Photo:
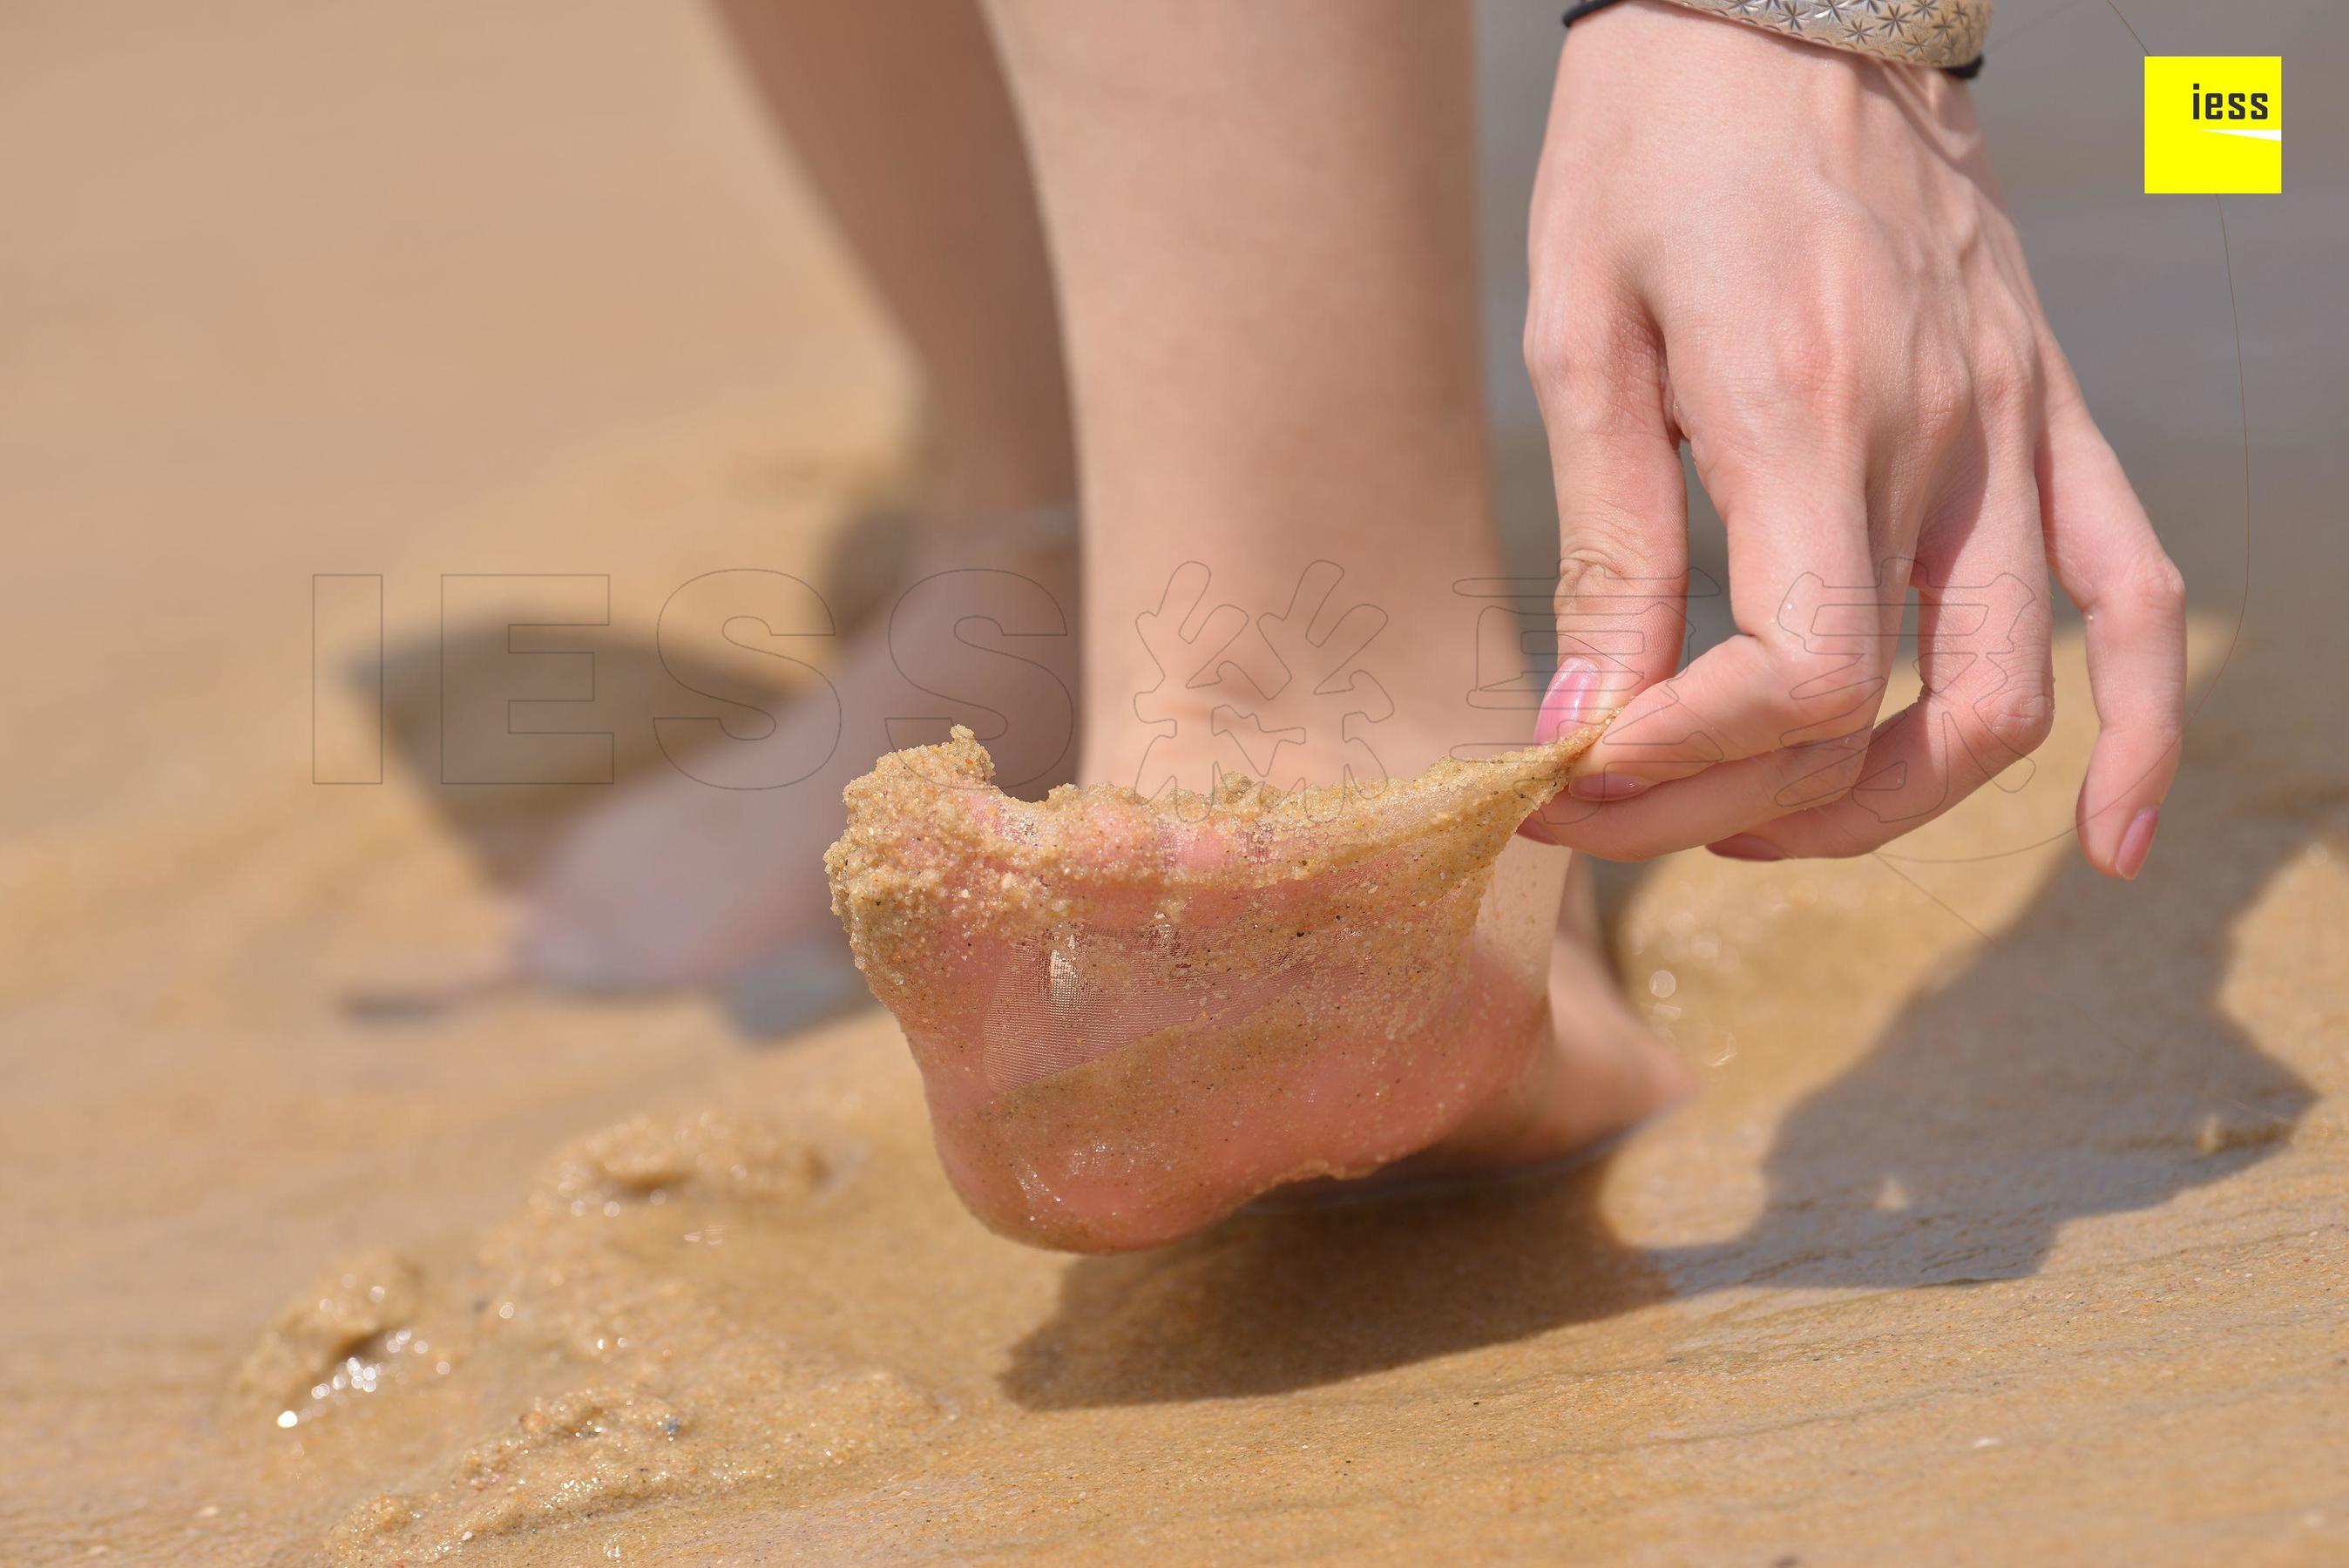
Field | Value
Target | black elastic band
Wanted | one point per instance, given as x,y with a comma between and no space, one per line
1576,13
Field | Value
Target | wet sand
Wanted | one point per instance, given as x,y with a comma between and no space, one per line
2009,1223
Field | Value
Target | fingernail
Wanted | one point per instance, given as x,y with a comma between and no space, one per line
1571,702
1746,847
1606,787
2137,843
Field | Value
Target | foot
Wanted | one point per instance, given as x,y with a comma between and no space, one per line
678,882
1133,1017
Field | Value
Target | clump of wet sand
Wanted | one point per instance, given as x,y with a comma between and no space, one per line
1134,1014
563,1370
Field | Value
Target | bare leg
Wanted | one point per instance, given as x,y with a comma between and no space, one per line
1261,219
898,113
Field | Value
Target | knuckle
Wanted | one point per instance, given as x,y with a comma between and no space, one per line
1845,760
2006,377
1936,411
2019,716
1545,356
1817,696
1943,393
1825,375
1591,574
2158,588
1559,355
1825,353
1590,359
1827,771
1602,549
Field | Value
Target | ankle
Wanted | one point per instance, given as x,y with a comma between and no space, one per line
1003,463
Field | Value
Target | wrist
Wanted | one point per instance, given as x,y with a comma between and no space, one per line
1645,71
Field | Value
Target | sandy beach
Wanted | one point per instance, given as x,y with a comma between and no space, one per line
2010,1223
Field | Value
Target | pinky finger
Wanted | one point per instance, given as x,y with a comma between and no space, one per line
2104,551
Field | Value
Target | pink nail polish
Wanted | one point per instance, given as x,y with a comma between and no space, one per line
1571,702
2137,843
1746,847
1606,787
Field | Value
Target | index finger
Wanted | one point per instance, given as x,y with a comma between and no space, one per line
1815,632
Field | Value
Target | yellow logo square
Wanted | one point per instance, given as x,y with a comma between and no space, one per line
2214,123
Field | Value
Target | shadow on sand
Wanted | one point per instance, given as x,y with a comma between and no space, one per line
477,681
2081,1066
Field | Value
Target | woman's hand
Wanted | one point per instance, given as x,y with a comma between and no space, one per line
1795,260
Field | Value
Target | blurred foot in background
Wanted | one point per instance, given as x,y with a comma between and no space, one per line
899,117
